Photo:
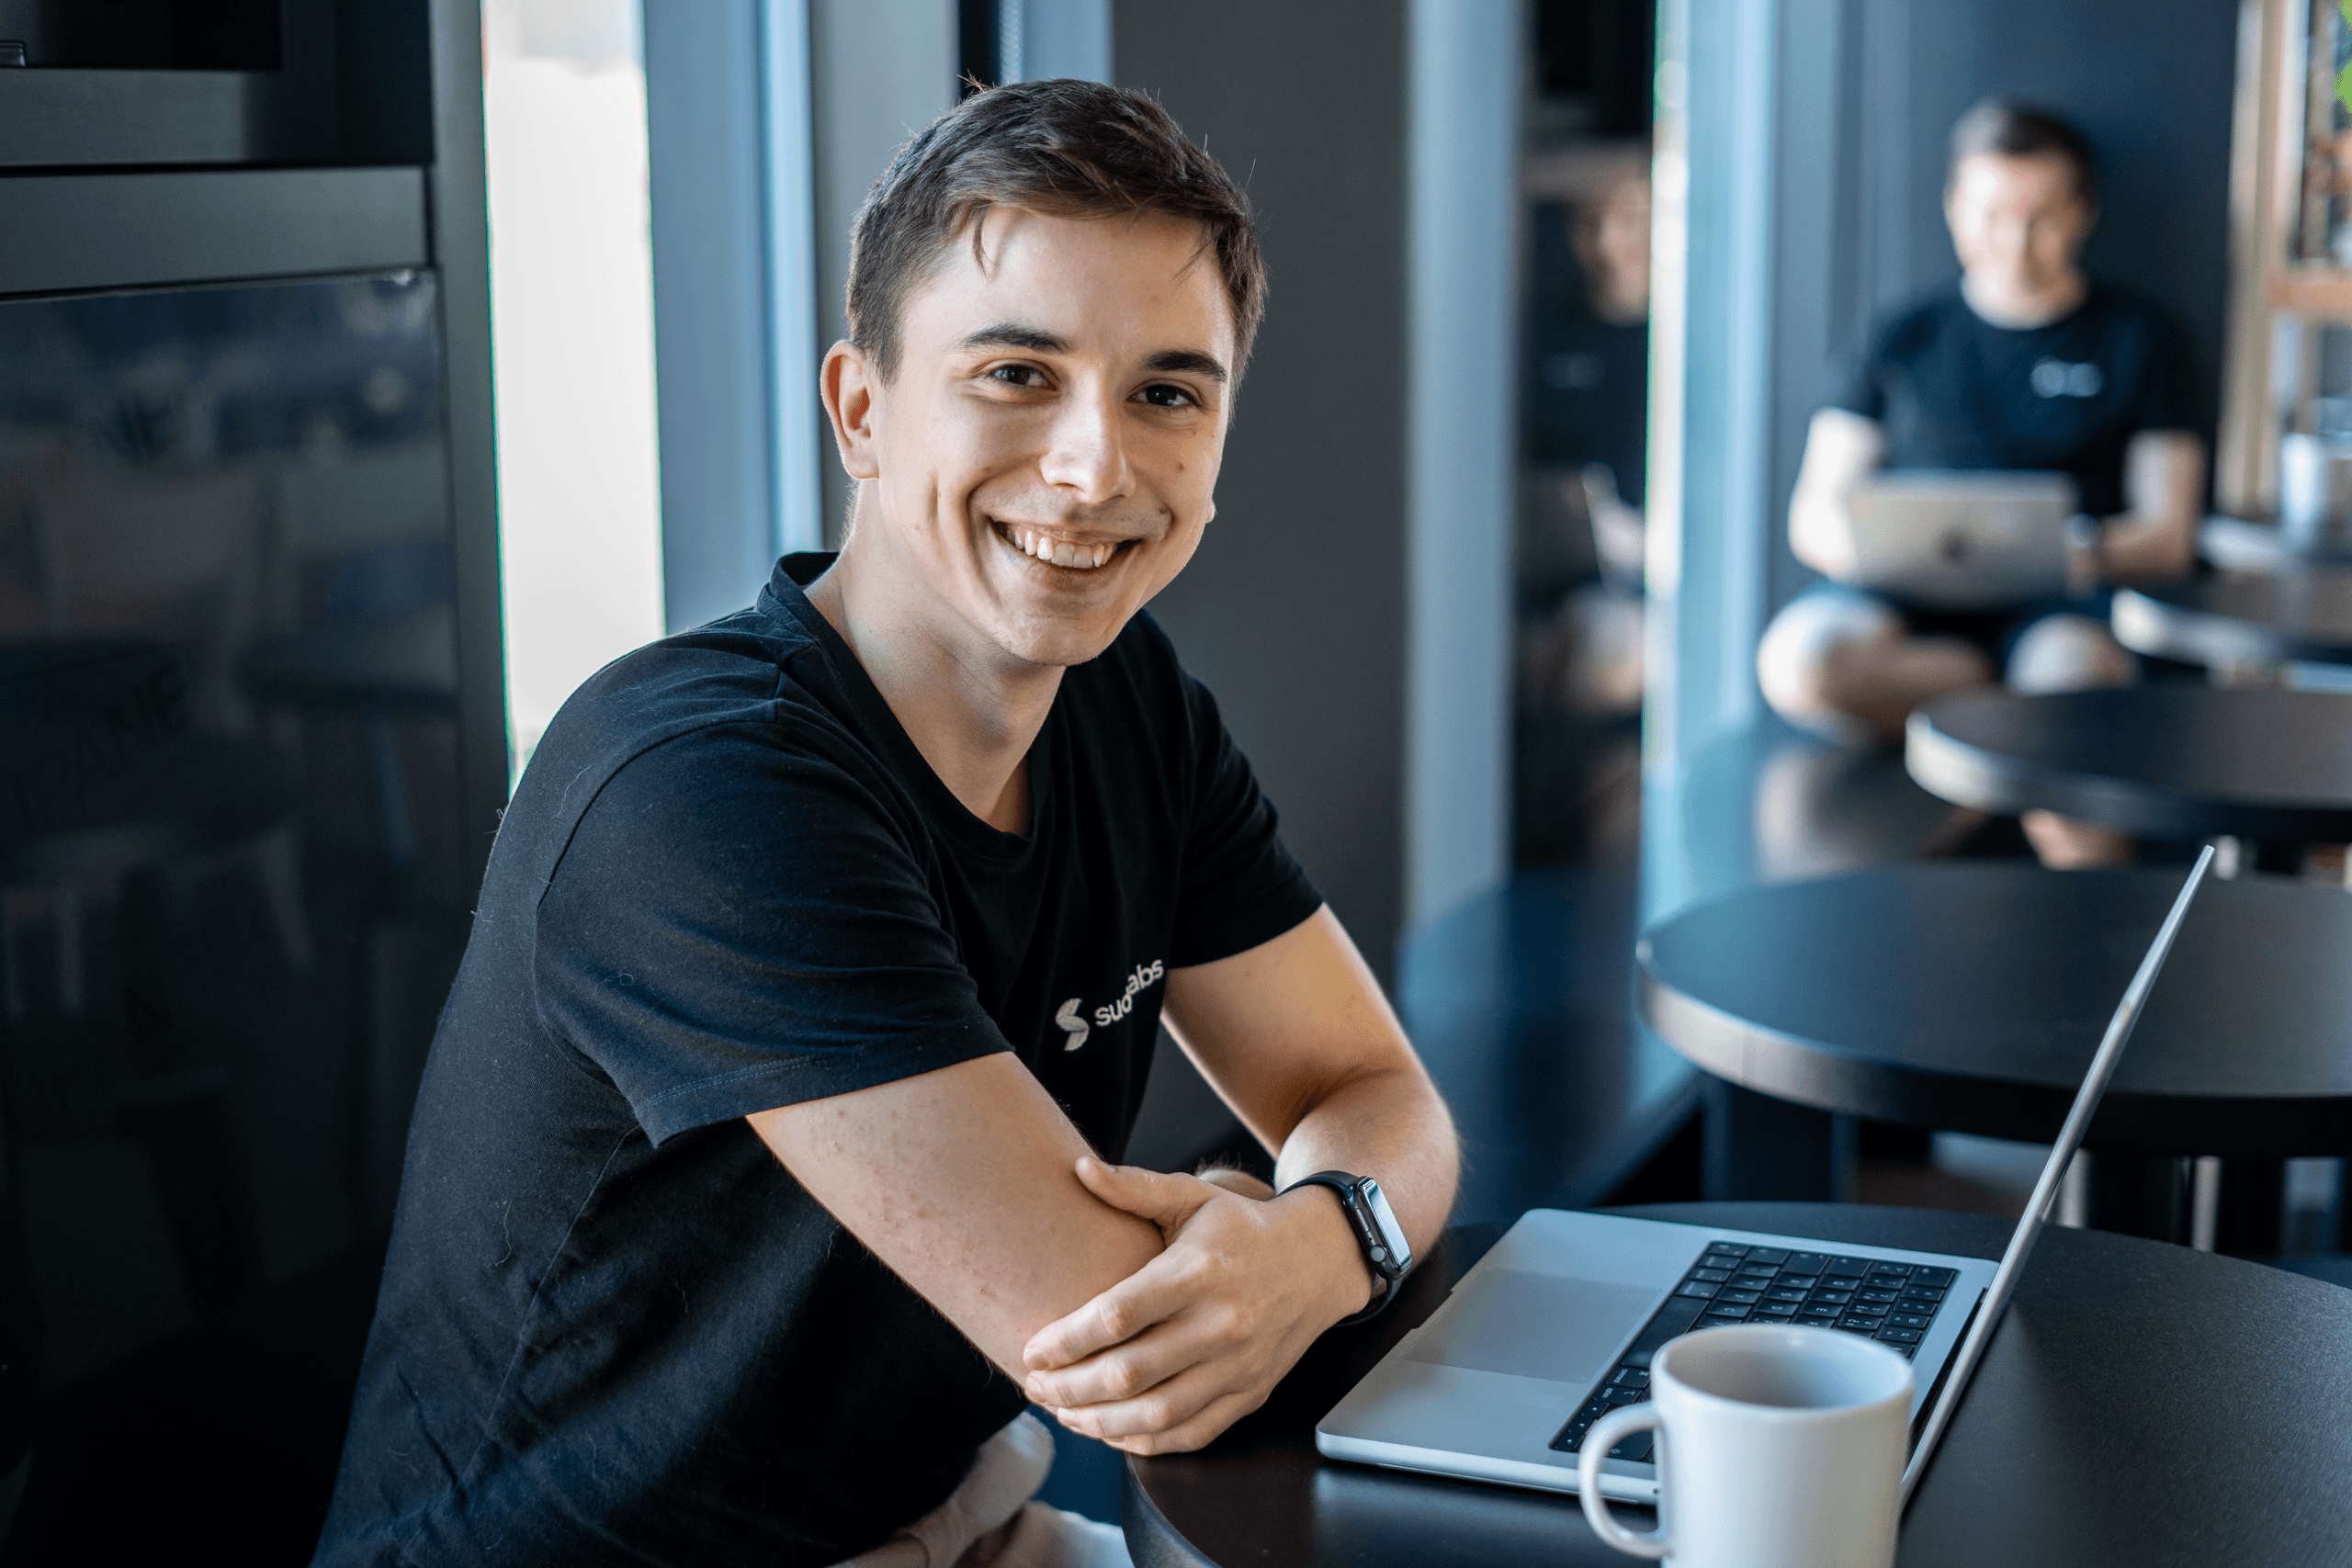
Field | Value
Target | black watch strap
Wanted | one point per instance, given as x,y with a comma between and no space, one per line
1378,1236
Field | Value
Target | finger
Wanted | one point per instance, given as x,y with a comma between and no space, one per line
1239,1182
1160,1408
1166,1201
1171,1420
1125,1371
1157,1291
1197,1433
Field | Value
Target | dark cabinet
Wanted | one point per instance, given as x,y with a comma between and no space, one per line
251,729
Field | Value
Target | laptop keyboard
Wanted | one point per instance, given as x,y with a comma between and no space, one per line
1891,1303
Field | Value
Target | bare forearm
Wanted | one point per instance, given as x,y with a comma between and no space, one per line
2133,546
2164,484
1820,533
1297,1037
1390,1125
1840,449
963,1180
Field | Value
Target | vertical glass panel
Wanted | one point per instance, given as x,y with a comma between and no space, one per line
1584,405
232,878
571,322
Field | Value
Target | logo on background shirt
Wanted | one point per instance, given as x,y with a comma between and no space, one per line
2063,379
1067,1019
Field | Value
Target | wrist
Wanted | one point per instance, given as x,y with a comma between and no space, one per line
1350,1283
2086,553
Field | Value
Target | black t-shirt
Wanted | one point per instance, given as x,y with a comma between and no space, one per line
613,1328
1587,398
1951,390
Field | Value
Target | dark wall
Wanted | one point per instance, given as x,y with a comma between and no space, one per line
1293,612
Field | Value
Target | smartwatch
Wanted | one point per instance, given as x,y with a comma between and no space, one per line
1385,1251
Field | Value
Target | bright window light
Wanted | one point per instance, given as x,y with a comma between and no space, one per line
572,332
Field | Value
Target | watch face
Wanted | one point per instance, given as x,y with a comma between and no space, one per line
1384,1220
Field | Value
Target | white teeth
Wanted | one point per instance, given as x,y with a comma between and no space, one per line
1058,552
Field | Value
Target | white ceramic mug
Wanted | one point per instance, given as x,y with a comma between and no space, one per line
1778,1446
2314,487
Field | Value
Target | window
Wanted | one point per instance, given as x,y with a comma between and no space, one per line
572,320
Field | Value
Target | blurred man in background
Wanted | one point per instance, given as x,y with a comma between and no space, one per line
2026,365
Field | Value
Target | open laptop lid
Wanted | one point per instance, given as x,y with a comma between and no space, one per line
2045,1191
1960,540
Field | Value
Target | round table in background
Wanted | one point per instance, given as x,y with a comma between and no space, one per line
2167,761
2234,618
2241,544
1969,996
2141,1404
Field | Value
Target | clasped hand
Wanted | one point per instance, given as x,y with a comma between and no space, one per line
1195,1339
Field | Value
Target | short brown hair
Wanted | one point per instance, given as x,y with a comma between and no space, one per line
1068,147
2010,129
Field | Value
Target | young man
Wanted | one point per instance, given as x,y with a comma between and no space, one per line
2027,365
759,1175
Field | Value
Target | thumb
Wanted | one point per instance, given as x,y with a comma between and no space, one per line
1166,1201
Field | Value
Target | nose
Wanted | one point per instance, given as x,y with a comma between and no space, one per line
1087,456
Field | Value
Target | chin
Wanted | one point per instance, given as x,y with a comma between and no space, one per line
1059,643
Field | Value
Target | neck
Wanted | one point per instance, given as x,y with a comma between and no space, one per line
972,711
2021,311
1622,301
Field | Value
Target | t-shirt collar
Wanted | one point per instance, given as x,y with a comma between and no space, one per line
785,601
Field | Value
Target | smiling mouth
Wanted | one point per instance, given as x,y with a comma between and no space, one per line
1073,555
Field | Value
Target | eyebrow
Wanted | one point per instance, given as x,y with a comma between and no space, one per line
1188,359
1013,335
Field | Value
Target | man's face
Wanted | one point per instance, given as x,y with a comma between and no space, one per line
2018,223
1044,461
1616,249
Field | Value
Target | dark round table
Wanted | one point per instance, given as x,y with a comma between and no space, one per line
2240,617
2169,761
1969,996
2241,544
2141,1404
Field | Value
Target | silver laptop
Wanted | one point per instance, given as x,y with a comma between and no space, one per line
1557,1324
1961,540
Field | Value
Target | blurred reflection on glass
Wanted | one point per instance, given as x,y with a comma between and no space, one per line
1585,406
231,869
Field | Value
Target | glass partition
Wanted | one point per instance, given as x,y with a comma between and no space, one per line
232,866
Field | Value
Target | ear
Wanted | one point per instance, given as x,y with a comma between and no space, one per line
2089,210
850,388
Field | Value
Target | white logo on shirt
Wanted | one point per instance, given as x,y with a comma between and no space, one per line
2060,379
1067,1019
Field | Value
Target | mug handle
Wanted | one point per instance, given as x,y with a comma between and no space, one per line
1606,1433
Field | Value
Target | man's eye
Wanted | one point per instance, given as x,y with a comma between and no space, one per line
1161,395
1017,376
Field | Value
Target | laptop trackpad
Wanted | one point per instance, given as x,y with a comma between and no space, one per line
1535,1326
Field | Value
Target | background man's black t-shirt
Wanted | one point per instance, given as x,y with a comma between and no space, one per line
1951,390
613,1328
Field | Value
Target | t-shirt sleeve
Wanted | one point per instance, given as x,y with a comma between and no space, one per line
1239,887
737,925
2162,400
1859,387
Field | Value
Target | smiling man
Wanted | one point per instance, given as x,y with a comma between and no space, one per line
759,1173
